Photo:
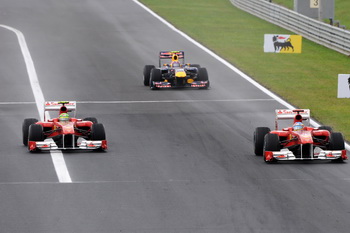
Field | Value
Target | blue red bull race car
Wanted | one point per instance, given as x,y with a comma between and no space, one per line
299,142
63,132
174,72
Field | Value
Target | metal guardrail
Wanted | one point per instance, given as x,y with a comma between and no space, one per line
319,32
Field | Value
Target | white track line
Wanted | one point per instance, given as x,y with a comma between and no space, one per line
12,103
346,179
229,65
149,101
57,156
169,101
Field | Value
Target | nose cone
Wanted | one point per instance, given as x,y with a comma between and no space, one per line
67,127
305,137
180,74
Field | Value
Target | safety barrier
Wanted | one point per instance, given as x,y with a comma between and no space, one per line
319,32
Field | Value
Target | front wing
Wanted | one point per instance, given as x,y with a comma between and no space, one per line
316,154
50,144
195,84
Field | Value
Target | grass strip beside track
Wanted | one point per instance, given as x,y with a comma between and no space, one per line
306,80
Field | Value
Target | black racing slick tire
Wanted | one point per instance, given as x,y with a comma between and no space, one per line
259,136
156,76
325,127
336,141
195,65
271,143
92,119
146,74
203,76
25,129
36,133
98,132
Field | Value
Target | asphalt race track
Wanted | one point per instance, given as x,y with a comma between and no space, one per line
179,161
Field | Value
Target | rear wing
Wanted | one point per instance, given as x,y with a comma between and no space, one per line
292,114
60,106
169,55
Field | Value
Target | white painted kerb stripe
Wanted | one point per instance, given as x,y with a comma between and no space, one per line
57,156
229,65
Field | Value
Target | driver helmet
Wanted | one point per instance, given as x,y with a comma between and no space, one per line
175,64
298,126
64,117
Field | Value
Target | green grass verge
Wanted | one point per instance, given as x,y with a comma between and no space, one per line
286,3
341,10
306,80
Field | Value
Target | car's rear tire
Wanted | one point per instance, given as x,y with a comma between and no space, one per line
36,133
195,65
203,76
146,74
156,76
25,129
92,119
98,132
271,143
336,141
325,127
259,136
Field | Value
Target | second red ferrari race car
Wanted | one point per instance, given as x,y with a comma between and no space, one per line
63,132
299,142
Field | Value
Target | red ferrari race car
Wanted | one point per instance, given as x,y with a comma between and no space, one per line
63,132
298,142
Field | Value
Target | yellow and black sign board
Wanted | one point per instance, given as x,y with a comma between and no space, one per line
282,43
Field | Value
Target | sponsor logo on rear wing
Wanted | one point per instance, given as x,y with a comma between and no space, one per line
169,54
291,113
56,105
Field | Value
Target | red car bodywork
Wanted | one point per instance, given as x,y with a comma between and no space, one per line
74,129
292,138
307,144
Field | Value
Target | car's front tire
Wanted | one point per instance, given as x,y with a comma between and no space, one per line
98,132
271,143
146,74
25,129
336,141
156,76
203,76
36,133
259,136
